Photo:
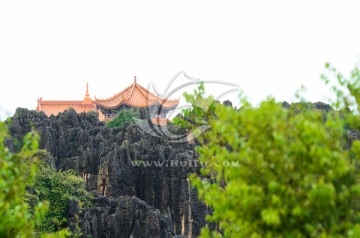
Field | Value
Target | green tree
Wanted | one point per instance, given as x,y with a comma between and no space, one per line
270,172
58,188
14,215
124,116
196,117
17,172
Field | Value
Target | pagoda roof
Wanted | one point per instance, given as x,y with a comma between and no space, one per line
54,107
136,96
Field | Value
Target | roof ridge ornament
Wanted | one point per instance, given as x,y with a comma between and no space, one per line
87,99
135,79
87,90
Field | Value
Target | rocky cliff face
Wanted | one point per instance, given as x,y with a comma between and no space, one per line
140,182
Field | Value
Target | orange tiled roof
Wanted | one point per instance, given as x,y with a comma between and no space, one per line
54,107
135,96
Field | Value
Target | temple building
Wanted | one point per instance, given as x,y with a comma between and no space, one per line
133,96
54,107
136,96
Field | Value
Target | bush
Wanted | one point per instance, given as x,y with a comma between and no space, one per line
58,188
124,116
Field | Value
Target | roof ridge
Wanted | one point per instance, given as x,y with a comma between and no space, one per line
132,91
114,96
60,101
158,99
142,89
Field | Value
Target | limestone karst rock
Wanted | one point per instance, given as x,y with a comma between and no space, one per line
130,201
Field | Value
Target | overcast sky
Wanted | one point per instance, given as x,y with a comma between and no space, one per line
52,48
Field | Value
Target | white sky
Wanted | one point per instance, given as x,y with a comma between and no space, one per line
52,48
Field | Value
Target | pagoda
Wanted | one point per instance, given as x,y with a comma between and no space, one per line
136,96
133,96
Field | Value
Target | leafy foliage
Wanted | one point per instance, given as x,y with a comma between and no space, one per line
294,178
125,115
59,188
346,89
52,189
196,117
16,173
13,212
